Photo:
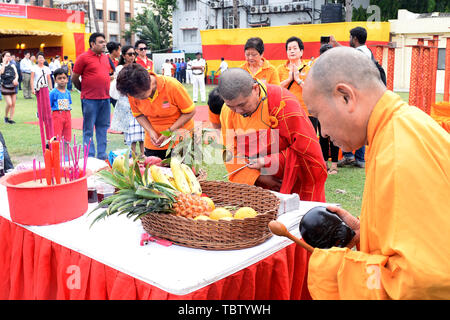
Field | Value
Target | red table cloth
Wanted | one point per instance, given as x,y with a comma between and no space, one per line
32,267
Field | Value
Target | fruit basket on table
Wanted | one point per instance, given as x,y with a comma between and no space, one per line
152,197
219,234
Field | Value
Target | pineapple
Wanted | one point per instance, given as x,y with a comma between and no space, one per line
190,206
137,196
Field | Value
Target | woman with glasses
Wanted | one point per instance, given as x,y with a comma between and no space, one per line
256,64
123,119
142,59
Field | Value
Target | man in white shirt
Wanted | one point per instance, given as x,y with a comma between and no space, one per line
25,67
223,66
188,70
167,68
198,78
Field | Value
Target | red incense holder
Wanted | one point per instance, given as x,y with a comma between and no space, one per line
45,205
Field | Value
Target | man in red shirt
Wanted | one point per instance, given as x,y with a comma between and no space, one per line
141,49
93,68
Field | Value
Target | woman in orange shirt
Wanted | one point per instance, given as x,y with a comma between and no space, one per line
293,73
158,103
256,65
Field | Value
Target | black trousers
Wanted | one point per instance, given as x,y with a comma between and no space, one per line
328,148
156,153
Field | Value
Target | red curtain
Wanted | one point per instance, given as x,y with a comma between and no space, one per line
32,267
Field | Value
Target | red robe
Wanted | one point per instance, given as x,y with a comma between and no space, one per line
295,151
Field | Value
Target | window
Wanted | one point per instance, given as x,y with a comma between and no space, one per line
127,17
441,59
260,2
114,37
99,14
113,16
190,5
228,18
190,35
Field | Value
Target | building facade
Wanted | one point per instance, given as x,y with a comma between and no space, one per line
192,16
110,17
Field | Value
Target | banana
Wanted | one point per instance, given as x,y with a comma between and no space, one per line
158,175
178,175
192,179
147,179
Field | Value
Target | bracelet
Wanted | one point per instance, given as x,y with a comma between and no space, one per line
299,82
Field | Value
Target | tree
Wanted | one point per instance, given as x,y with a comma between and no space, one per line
154,25
389,8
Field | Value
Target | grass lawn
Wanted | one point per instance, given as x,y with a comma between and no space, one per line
24,143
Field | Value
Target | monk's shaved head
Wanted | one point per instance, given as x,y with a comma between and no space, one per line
235,82
341,90
346,65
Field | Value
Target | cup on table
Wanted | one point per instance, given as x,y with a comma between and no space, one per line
92,189
104,190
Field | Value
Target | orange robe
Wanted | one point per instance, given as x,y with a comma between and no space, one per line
280,131
168,103
267,73
405,221
296,89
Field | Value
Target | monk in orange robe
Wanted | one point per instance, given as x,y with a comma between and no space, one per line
402,236
265,128
158,103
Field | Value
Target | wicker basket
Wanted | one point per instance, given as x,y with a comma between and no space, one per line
221,234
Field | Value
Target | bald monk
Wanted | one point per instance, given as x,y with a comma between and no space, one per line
265,126
402,235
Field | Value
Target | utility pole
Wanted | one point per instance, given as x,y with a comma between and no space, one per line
94,11
235,14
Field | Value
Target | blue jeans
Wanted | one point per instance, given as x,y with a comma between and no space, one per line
96,113
359,154
69,84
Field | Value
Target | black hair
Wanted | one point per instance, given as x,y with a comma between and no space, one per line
325,47
112,46
124,52
66,57
255,43
215,101
359,33
133,79
40,53
94,36
59,71
139,42
296,39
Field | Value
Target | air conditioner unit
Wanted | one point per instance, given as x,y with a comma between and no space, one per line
275,9
254,9
264,9
286,7
298,7
241,3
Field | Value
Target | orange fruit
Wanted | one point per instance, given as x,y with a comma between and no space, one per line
218,213
209,202
245,212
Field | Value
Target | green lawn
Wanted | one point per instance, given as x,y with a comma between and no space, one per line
23,141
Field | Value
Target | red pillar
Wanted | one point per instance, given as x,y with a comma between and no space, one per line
413,83
379,54
426,84
434,56
447,72
390,69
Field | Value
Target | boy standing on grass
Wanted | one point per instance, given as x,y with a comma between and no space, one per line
61,104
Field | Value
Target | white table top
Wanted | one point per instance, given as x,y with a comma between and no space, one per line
179,270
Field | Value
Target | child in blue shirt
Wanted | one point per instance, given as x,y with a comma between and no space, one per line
61,104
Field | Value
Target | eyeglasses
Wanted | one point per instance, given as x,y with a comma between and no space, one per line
142,49
131,54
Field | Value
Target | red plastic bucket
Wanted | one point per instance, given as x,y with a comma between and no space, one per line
45,205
